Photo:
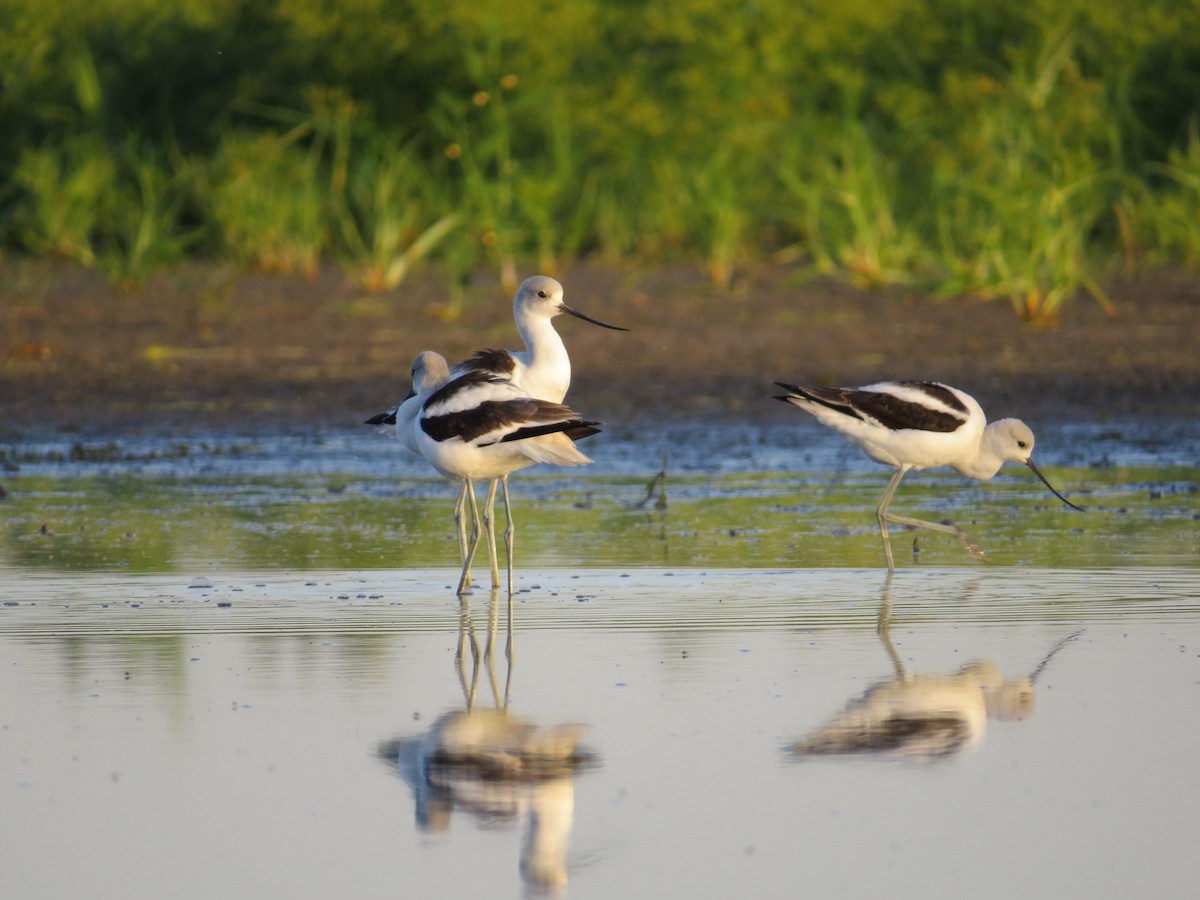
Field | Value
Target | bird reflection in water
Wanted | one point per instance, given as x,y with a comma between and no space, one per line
496,766
924,718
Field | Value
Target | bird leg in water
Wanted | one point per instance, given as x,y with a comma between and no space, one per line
885,517
473,542
461,527
489,522
510,533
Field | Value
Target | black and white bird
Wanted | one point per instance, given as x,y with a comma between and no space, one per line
542,370
920,425
483,427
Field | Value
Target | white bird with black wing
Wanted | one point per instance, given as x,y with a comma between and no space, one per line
480,426
920,425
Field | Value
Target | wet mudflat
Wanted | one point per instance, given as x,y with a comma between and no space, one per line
267,734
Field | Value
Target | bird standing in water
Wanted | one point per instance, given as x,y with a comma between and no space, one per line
920,425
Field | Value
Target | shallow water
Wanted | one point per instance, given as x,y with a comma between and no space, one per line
751,496
256,737
231,661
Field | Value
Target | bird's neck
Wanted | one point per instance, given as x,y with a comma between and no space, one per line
988,460
546,360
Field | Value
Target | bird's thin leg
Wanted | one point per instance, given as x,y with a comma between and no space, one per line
882,513
489,521
461,527
473,543
968,542
509,536
885,517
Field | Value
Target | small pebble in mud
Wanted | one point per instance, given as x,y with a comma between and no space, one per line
223,604
199,582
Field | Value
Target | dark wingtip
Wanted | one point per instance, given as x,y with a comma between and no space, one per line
792,390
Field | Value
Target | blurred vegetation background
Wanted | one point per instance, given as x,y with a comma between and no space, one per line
965,147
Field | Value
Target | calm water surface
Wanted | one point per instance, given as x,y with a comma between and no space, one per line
234,666
157,742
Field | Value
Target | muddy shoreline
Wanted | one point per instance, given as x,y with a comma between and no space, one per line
210,346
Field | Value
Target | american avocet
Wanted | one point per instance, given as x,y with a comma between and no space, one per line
429,372
542,369
480,426
920,425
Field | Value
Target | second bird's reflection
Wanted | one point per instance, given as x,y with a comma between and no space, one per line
923,718
495,766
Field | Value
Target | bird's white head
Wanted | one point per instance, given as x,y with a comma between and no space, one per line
541,297
429,371
1010,440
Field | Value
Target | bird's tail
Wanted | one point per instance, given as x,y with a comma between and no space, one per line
555,448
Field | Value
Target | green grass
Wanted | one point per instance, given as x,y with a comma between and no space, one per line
977,148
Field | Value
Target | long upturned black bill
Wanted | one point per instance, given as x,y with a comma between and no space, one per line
1038,473
577,314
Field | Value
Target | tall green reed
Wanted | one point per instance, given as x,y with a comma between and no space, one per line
1022,190
845,190
382,198
1170,215
266,200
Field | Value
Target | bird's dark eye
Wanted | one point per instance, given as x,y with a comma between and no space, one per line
542,294
1021,444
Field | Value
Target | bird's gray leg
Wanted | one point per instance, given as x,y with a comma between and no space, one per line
473,543
885,517
461,527
882,514
509,536
489,522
